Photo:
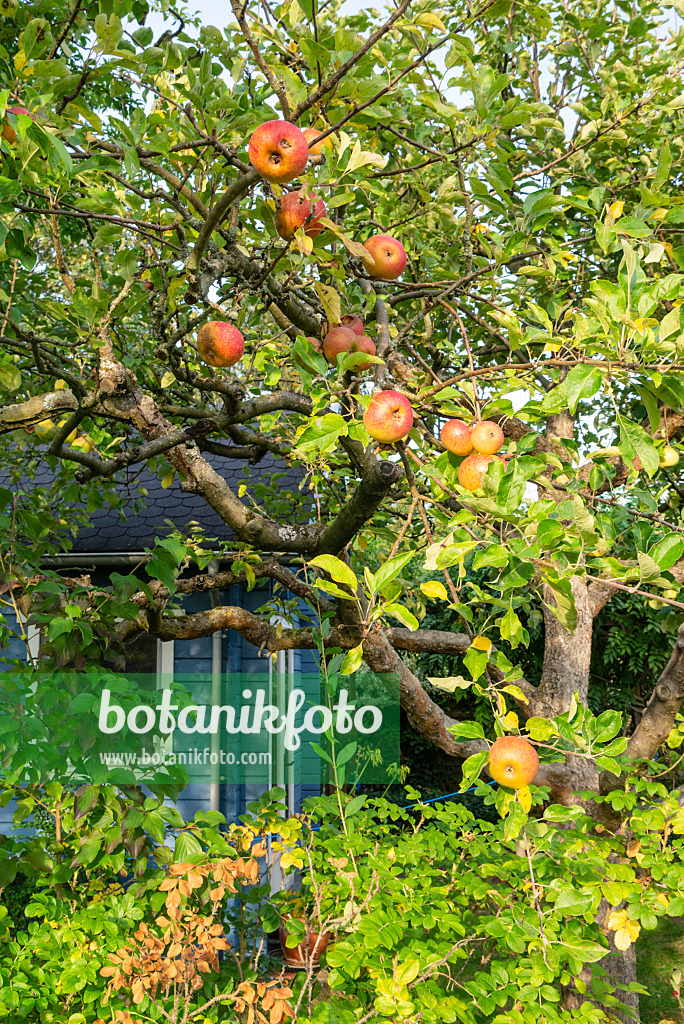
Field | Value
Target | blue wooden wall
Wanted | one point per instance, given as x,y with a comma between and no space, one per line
240,660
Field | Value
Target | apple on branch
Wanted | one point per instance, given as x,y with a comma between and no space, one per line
513,762
669,457
296,211
456,437
220,344
471,469
352,323
487,437
341,340
316,154
388,258
389,417
279,151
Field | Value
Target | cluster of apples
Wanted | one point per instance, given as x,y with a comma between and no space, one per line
479,442
280,151
389,417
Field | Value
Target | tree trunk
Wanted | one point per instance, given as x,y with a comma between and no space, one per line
621,968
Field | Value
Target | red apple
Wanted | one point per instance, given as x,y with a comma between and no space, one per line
278,151
316,154
487,437
389,417
456,437
471,469
363,344
220,344
294,211
8,131
353,323
338,339
389,257
513,762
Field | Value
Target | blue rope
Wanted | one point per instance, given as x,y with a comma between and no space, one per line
432,800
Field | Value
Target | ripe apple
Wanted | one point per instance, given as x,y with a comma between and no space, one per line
316,154
8,131
513,762
487,437
668,457
278,151
353,323
220,344
363,344
471,469
295,211
389,257
338,339
389,417
456,437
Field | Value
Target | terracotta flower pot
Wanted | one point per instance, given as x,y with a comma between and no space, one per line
306,953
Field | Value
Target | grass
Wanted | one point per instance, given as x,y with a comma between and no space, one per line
658,954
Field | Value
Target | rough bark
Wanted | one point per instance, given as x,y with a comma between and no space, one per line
666,700
567,656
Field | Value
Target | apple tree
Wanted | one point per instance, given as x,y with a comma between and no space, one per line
527,158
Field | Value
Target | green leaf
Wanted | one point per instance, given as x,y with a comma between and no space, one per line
582,381
633,227
608,725
540,729
322,753
58,627
346,754
352,661
407,618
511,628
668,551
322,433
472,768
61,151
390,569
635,441
355,805
564,608
466,731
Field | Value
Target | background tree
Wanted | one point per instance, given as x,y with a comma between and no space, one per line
528,158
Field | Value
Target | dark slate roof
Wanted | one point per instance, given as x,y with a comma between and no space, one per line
135,525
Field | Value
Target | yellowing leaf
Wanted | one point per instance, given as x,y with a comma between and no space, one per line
168,379
510,721
167,480
450,683
352,660
616,920
360,158
516,692
616,208
430,20
622,939
433,588
330,300
481,643
525,798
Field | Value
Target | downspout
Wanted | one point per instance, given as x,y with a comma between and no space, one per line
216,695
